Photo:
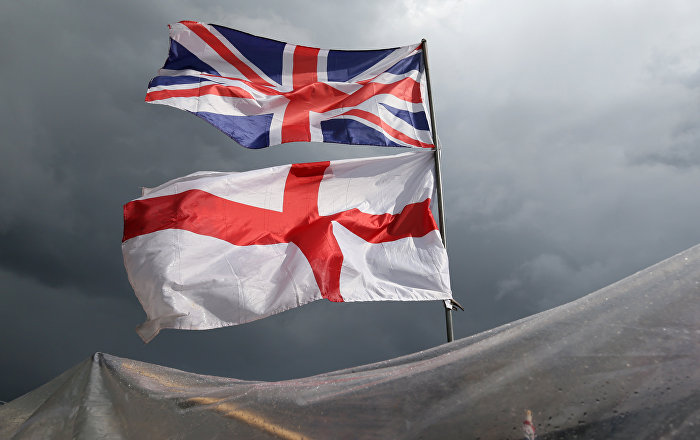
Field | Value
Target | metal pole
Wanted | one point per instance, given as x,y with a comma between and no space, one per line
438,180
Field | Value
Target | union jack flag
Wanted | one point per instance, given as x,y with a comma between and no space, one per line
263,92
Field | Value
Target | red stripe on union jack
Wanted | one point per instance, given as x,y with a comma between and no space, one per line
263,92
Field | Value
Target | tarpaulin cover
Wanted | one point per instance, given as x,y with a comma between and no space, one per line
620,363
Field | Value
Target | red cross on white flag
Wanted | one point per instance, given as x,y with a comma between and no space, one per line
216,249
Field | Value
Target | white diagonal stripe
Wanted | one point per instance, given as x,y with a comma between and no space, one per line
385,63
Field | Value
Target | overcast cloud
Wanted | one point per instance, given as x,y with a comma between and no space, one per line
571,159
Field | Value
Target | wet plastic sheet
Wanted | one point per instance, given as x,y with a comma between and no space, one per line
621,363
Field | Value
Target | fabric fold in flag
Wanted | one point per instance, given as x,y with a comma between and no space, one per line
263,92
214,249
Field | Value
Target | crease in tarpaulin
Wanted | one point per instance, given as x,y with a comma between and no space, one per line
230,410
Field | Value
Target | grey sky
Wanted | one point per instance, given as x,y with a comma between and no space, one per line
570,134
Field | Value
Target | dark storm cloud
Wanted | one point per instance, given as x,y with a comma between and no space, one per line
570,141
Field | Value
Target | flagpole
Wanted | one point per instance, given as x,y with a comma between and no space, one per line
438,180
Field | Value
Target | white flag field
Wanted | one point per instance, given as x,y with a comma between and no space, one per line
215,249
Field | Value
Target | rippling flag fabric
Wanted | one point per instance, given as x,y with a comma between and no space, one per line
214,249
263,92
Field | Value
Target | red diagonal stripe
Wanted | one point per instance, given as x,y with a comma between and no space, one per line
373,118
212,89
202,32
260,88
406,89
